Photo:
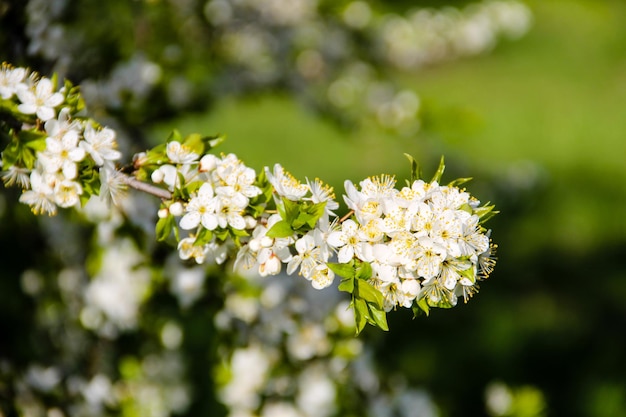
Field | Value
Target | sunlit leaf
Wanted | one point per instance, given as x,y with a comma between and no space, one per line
439,173
280,229
343,270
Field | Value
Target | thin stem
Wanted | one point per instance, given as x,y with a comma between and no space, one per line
346,217
145,187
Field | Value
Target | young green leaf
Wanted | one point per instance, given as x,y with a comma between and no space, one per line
280,229
175,136
346,285
292,210
439,173
204,236
423,305
379,316
364,270
164,228
361,313
343,270
364,290
459,181
415,169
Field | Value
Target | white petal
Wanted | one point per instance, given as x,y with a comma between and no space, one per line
45,113
209,221
27,108
336,239
190,221
345,254
54,100
236,222
69,170
293,265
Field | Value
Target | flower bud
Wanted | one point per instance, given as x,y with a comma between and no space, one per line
176,209
207,163
157,176
140,159
250,222
254,245
163,213
267,241
270,267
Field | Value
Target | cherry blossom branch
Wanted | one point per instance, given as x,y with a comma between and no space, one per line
145,187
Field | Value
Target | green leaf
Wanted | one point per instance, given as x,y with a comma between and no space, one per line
439,173
280,207
73,98
174,136
485,212
10,155
89,178
280,229
38,145
459,181
204,236
28,157
346,285
195,143
316,211
156,155
302,220
307,214
211,142
222,234
343,270
364,290
361,313
467,208
256,210
416,310
423,305
26,136
164,227
292,210
469,273
415,169
54,79
379,316
364,271
201,144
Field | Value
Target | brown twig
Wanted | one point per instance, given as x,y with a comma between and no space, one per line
145,187
346,217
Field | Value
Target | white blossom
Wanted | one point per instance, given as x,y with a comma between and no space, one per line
10,80
201,210
40,100
41,195
285,184
100,144
180,154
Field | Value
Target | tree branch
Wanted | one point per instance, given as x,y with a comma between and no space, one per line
145,187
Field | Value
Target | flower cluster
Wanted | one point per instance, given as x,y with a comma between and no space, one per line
212,197
53,157
303,207
424,242
418,247
271,218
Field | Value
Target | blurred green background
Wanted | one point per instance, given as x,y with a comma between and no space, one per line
540,123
